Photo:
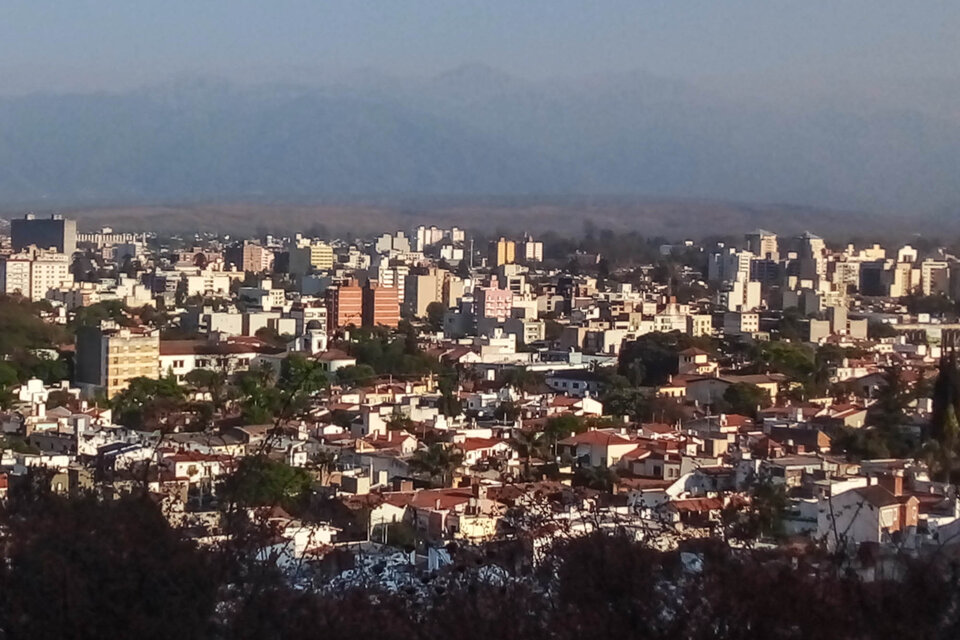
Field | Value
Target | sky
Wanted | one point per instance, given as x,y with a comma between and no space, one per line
50,45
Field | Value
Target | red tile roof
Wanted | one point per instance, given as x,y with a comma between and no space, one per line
595,437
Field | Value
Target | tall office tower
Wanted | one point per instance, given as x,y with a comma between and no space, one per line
55,232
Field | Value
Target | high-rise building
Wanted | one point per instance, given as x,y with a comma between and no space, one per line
763,244
492,301
108,357
55,232
811,250
729,265
345,305
311,256
34,272
250,256
381,305
934,277
531,250
421,290
502,251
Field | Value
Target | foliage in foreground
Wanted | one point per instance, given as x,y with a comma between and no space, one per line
88,568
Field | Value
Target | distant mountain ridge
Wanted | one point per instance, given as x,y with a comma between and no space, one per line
470,131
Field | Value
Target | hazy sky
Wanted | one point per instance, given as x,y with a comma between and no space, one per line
51,44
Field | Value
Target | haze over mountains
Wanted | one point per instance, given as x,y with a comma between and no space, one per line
475,131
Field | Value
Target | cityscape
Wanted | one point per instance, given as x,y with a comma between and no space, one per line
541,320
371,411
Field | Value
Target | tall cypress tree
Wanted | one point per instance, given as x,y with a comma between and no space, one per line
944,427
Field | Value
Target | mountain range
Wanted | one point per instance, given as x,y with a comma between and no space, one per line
474,131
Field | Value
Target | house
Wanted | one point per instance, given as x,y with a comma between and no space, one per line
193,466
722,424
476,449
879,513
294,541
695,361
585,406
575,383
800,439
228,355
597,447
790,470
693,513
708,389
396,441
464,513
332,360
843,415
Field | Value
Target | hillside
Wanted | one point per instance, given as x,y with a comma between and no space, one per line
471,132
673,219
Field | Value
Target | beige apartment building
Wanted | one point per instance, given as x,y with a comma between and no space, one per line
108,357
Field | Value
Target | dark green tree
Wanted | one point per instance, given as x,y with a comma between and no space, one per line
260,481
745,399
944,429
438,461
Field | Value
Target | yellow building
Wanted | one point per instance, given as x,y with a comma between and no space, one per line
502,252
108,357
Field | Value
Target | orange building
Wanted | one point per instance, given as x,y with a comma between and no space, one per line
381,305
345,305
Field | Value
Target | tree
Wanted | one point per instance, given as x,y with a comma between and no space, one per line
652,358
356,375
745,399
944,429
437,461
211,382
435,311
300,379
507,412
149,404
112,569
260,399
449,402
529,444
91,316
878,330
597,478
627,402
889,412
8,380
522,379
260,481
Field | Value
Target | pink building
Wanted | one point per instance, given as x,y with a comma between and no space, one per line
493,302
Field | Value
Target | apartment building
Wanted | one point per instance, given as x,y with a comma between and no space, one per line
345,305
501,252
33,272
381,305
108,357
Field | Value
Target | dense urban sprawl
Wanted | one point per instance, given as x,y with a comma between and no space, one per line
527,438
